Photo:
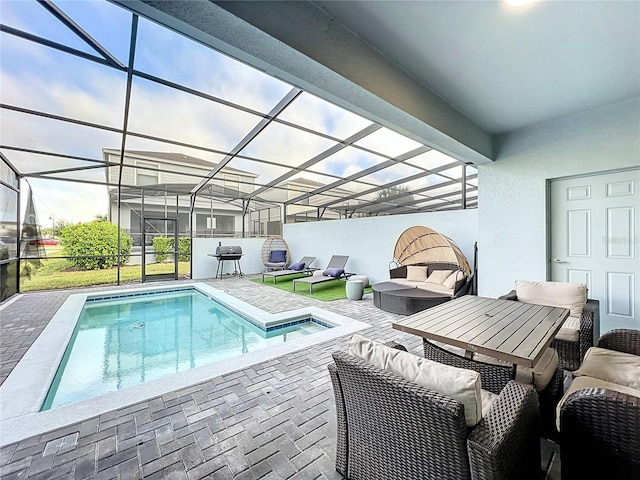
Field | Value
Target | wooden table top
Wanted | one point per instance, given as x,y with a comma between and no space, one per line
513,331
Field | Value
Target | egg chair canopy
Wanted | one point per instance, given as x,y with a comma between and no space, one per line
424,245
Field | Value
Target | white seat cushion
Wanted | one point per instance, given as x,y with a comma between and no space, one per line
405,282
458,383
450,348
539,375
434,287
542,372
554,294
570,330
612,366
487,398
581,383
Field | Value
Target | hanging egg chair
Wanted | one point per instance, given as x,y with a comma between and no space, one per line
275,253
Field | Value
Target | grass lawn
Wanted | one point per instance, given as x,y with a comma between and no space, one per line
327,291
56,273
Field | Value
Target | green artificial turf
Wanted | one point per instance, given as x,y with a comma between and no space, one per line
327,291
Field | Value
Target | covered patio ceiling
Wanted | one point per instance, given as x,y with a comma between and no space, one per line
80,78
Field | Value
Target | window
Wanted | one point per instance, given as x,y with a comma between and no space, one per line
148,174
231,184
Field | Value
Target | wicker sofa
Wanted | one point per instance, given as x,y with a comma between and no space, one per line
407,294
599,415
577,335
391,428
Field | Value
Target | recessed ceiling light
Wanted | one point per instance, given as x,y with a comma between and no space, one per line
519,3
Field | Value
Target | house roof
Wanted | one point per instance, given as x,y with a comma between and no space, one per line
180,158
306,182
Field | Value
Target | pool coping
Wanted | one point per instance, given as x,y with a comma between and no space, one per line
24,390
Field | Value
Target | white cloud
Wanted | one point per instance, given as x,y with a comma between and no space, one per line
71,201
40,78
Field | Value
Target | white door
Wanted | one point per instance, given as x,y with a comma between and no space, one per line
594,240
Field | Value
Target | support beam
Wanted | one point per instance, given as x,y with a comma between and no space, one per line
262,124
53,9
321,156
362,173
298,42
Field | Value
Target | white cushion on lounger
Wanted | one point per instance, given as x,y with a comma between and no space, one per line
405,282
416,273
438,276
434,287
451,280
458,383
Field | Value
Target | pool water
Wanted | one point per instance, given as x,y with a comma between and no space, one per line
118,343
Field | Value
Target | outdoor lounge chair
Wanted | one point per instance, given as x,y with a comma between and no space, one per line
305,263
335,270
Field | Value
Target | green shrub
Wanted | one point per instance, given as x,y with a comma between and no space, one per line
184,249
162,246
95,238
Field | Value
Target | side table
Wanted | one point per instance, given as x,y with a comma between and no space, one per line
354,289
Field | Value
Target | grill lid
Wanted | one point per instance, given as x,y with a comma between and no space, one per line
228,250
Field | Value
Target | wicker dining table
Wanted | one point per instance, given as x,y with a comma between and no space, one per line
512,331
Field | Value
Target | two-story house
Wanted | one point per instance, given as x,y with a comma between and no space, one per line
158,185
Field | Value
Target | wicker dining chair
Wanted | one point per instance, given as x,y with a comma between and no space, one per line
572,352
391,428
496,376
600,428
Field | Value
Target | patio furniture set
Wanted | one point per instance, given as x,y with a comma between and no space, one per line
491,379
401,415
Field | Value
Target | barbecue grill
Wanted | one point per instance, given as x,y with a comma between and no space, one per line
232,253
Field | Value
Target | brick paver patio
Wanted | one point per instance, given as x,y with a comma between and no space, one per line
274,420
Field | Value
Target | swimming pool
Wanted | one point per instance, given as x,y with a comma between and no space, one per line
128,339
23,392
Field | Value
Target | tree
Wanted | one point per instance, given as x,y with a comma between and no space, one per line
100,217
389,193
392,192
98,241
59,226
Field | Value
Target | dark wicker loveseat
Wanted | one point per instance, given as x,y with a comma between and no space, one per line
390,428
600,427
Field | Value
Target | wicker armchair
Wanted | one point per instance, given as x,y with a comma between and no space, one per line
495,377
600,428
572,353
390,428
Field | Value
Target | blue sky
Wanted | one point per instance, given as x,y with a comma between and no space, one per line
45,79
